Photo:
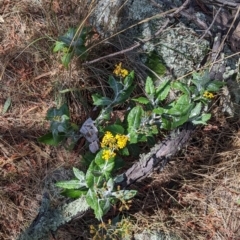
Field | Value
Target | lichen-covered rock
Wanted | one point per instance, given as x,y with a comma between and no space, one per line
178,46
181,49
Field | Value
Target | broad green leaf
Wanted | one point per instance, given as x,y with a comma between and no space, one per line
166,123
202,119
71,184
59,46
124,151
92,200
101,101
98,159
141,100
88,157
66,58
119,163
89,174
200,80
68,38
6,105
155,63
50,140
124,94
115,85
181,86
159,110
181,106
128,80
115,128
163,90
81,52
105,166
110,184
134,118
105,205
178,121
214,86
133,136
74,193
196,110
79,174
149,87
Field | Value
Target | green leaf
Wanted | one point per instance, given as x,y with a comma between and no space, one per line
202,119
115,128
128,80
101,101
196,110
79,174
59,46
54,112
155,63
134,121
105,167
181,86
110,184
92,200
6,105
88,158
134,117
124,151
124,95
162,90
89,174
178,121
66,58
68,37
74,193
50,140
181,106
149,87
105,205
119,163
141,100
159,110
115,85
71,184
214,86
200,80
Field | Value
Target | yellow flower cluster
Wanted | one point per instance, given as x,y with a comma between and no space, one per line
112,143
121,140
208,95
107,154
119,71
108,140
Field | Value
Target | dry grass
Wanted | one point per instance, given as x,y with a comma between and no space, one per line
196,197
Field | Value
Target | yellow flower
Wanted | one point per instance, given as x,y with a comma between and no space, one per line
208,95
121,140
108,140
107,154
119,71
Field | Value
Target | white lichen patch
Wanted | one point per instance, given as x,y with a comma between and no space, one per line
181,49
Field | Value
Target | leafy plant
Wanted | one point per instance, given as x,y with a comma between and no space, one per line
145,117
97,185
60,126
72,43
